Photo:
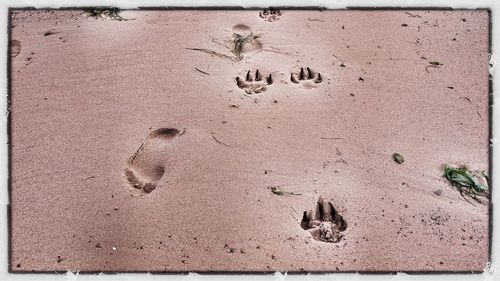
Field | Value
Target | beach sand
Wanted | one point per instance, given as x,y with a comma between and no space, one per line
88,96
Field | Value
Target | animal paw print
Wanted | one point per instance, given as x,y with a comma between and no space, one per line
324,222
270,15
254,84
306,79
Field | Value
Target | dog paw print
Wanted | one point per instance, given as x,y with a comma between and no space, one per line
254,84
270,15
324,222
306,78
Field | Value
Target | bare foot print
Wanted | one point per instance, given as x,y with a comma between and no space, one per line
270,15
306,79
15,48
254,84
324,222
145,168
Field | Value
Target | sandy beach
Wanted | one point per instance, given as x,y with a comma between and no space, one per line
153,144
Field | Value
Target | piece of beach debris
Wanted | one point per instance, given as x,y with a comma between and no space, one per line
470,183
204,72
50,32
398,158
228,249
438,192
239,42
237,46
88,178
276,190
312,19
213,53
219,142
413,15
110,13
433,64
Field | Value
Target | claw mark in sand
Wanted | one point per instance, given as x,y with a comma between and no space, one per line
146,167
324,222
307,79
254,84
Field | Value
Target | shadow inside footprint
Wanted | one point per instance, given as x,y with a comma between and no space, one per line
306,79
254,84
146,167
324,222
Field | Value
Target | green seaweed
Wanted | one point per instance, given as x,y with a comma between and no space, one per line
467,182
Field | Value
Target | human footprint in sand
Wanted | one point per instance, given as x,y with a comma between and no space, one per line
146,166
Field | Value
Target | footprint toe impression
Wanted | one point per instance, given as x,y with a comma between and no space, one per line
146,166
324,222
306,78
254,84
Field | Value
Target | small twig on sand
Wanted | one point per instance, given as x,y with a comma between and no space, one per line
413,15
467,99
50,32
295,218
309,19
465,198
341,61
342,161
214,53
220,43
276,190
206,73
137,153
219,142
325,138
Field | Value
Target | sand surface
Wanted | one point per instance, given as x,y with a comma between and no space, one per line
87,95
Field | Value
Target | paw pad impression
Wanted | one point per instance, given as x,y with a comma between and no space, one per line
254,84
324,222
